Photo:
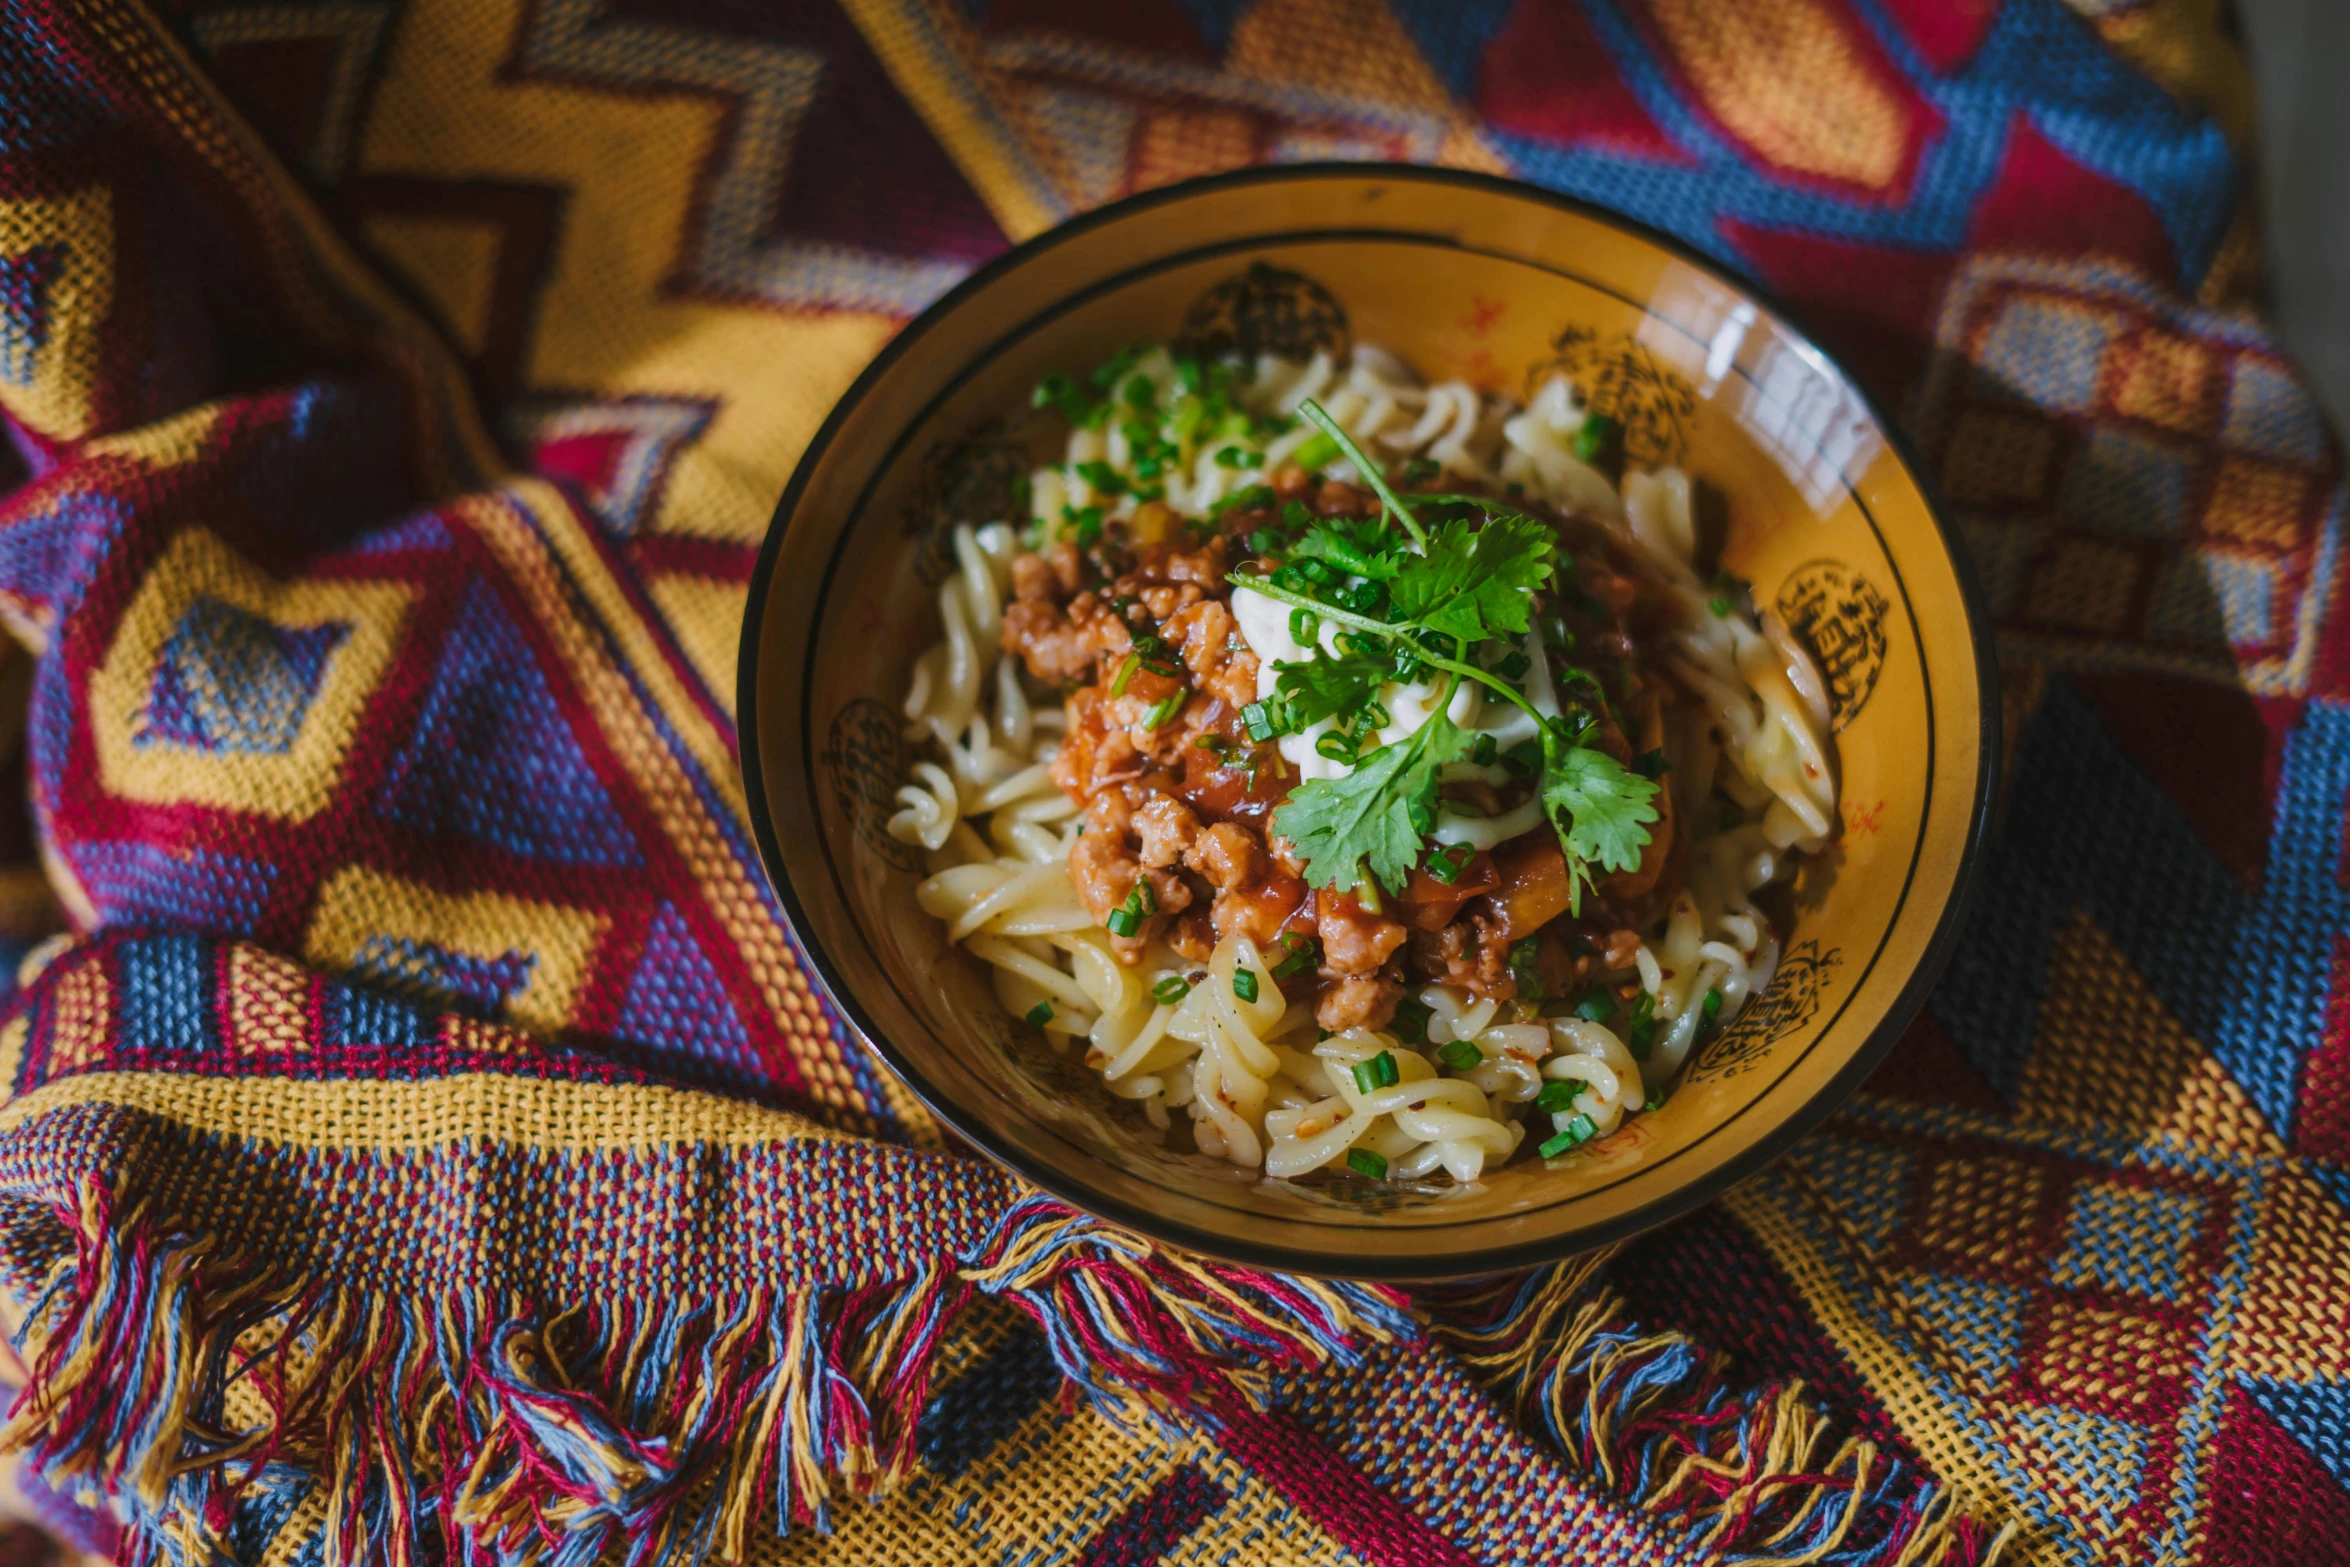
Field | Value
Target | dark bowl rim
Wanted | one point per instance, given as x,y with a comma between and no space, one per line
1665,1207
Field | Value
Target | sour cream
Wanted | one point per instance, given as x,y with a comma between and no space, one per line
1264,624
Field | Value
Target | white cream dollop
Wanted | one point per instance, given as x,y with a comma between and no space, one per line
1264,624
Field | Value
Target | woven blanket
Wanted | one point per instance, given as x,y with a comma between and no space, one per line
422,1141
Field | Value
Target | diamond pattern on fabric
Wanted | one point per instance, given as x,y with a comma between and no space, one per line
479,987
677,1001
25,281
2134,1238
230,680
1979,1323
493,758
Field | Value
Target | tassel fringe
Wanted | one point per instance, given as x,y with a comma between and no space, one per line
176,1384
1757,1475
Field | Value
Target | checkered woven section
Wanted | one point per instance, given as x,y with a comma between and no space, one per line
426,1144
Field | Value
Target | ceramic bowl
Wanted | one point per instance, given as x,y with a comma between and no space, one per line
1462,276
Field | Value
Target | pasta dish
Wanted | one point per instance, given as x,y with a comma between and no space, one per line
1366,776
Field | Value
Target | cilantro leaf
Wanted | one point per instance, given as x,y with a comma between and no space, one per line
1325,687
1363,548
1371,820
1476,583
1600,807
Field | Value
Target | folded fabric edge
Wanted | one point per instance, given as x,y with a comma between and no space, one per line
171,1381
1754,1472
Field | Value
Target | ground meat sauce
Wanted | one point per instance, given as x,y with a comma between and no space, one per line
1140,637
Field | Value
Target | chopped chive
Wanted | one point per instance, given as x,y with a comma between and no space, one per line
1302,955
1170,990
1384,1068
1410,1023
1259,722
1122,922
1599,440
1522,969
1655,1100
1248,499
1597,1007
1711,1007
1305,627
1163,709
1446,864
1244,983
1559,1094
1720,606
1640,1031
1336,746
1578,1132
1364,1162
1460,1055
1317,452
1125,675
1366,1077
1103,478
1238,457
1040,1014
1140,393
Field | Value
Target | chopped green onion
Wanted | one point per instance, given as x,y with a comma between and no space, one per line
1259,722
1410,1023
1040,1014
1264,541
1249,499
1640,1031
1597,1007
1244,983
1163,709
1378,1072
1125,675
1522,956
1170,990
1558,1094
1655,1100
1364,1162
1140,393
1318,452
1599,440
1421,469
1305,627
1485,751
1366,1077
1514,667
1446,864
1104,479
1578,1132
1302,955
1720,606
1142,901
1336,746
1460,1055
1711,1008
1238,457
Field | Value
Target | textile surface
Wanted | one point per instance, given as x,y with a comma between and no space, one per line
425,1143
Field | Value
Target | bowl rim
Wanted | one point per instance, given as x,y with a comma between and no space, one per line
1667,1205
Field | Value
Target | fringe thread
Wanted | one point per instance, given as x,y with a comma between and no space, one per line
1757,1475
175,1383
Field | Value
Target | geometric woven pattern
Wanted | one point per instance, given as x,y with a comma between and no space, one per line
426,1142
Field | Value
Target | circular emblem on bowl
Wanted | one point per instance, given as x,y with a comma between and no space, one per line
1265,310
1838,614
1787,1004
865,757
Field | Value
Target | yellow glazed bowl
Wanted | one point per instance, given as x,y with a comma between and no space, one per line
1462,276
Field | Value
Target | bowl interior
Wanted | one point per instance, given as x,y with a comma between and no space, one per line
1468,278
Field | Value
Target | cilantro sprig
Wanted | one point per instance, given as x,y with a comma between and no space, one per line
1461,585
